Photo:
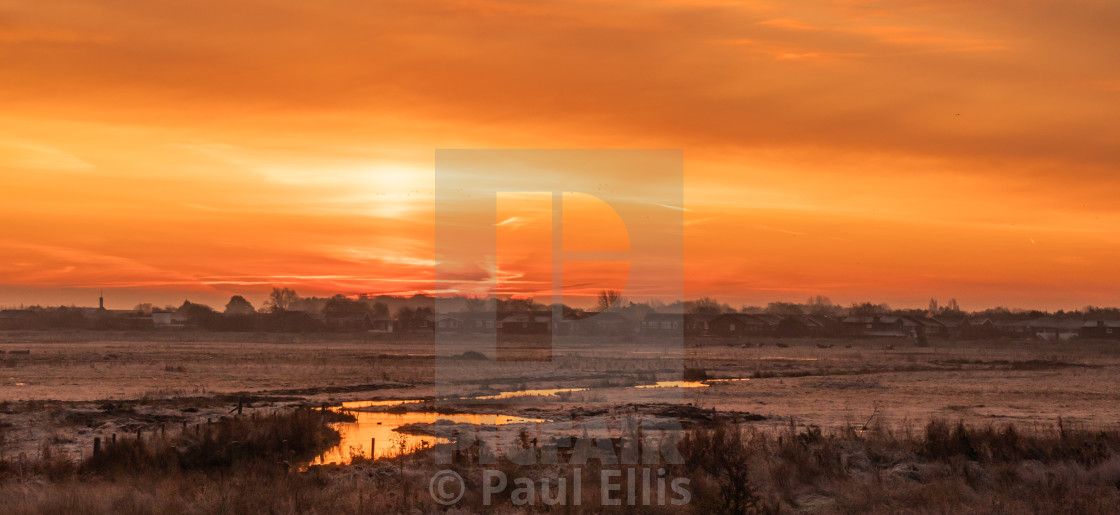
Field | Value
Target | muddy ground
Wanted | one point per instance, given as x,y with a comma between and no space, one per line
68,388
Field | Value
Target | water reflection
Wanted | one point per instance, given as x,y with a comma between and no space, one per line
374,404
380,428
675,384
530,393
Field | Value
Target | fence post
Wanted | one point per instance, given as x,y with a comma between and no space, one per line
96,446
372,448
240,402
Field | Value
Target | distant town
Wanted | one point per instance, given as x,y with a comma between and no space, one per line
286,311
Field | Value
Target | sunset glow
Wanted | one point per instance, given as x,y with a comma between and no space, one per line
891,151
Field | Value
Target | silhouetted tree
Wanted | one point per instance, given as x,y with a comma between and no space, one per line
199,315
475,305
609,299
281,299
868,309
340,305
822,306
704,306
410,319
783,308
515,305
237,305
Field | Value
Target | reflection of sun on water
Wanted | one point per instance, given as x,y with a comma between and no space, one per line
530,393
371,404
675,384
379,428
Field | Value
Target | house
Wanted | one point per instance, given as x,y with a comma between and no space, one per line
1017,329
696,324
803,325
571,323
857,325
952,325
449,324
931,328
479,322
885,326
536,322
172,320
1100,330
419,322
663,324
737,325
348,322
602,323
978,329
905,326
1057,329
379,324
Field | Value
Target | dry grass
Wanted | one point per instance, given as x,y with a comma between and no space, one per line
941,468
1006,455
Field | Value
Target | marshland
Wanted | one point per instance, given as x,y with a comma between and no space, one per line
251,422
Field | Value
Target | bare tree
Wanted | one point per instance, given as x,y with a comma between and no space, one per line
281,299
475,305
704,306
609,299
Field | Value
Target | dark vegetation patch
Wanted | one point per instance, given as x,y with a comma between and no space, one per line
695,374
473,355
1003,364
227,442
337,389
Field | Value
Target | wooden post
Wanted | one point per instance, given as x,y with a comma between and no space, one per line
162,430
114,438
455,447
137,436
96,446
372,448
240,402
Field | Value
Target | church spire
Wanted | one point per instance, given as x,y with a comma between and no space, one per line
101,300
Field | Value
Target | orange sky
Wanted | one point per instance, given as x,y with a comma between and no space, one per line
863,150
